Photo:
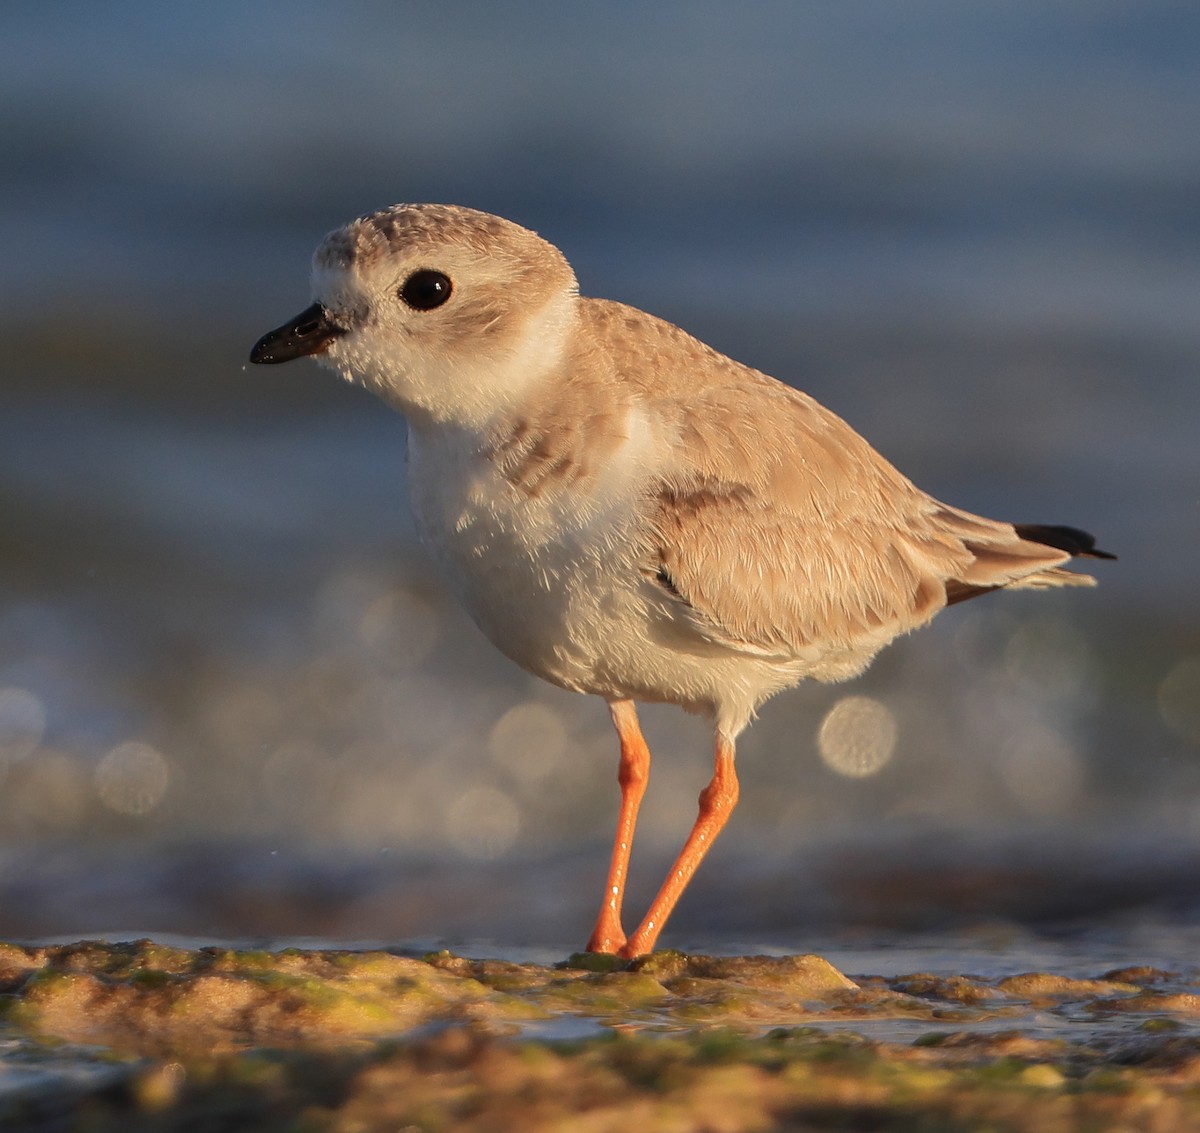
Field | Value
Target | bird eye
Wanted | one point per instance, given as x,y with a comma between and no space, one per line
425,289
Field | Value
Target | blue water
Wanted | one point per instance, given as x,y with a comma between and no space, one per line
970,230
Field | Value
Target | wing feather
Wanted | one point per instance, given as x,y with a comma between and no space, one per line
808,540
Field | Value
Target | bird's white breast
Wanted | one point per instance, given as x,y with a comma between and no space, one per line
548,575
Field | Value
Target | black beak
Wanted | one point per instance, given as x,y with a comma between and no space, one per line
308,333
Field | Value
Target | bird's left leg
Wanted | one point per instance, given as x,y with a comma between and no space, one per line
608,935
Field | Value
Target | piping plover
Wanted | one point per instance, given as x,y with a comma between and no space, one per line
628,513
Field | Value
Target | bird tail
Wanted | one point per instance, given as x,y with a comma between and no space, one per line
1023,556
1078,544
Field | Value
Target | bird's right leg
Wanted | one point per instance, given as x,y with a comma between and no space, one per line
608,935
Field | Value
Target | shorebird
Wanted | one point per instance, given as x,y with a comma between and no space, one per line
628,513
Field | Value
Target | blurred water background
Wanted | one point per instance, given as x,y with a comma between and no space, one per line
234,697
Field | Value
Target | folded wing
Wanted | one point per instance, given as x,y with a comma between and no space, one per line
782,532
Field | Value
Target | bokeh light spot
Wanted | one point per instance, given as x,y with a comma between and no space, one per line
857,736
483,823
528,741
1179,699
1051,657
132,778
401,625
1041,768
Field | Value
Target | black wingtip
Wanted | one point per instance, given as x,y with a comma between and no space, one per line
1069,539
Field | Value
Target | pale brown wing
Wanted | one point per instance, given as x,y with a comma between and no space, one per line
783,532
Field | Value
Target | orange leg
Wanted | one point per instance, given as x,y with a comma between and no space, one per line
608,935
717,801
